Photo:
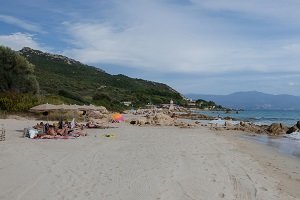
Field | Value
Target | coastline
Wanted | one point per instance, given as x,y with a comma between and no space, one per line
279,164
148,162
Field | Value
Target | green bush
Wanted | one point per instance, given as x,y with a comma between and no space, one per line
15,102
71,95
16,73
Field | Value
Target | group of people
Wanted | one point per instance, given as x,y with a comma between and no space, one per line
60,129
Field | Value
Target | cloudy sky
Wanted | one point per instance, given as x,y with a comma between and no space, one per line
195,46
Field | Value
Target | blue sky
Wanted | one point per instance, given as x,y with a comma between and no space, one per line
195,46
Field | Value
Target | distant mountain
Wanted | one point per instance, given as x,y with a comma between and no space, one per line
63,79
253,100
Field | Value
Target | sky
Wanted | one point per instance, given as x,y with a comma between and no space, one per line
195,46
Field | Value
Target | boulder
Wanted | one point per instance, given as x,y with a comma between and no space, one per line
242,123
276,129
142,121
98,115
133,122
102,109
99,121
293,129
163,119
298,124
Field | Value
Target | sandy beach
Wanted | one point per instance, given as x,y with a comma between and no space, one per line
166,163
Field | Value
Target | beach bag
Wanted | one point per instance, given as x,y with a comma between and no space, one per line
32,133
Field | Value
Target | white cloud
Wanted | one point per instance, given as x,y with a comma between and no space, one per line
21,23
286,11
158,36
17,41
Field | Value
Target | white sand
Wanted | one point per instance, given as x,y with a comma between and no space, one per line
140,163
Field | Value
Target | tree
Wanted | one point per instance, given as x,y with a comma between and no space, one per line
16,73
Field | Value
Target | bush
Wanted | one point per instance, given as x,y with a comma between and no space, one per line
71,95
15,102
16,73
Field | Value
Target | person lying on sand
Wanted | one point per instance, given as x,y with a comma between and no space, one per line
64,131
51,131
93,125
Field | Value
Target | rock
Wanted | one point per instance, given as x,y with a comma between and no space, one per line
163,119
195,116
98,115
228,123
276,129
133,122
102,109
298,124
293,129
142,121
242,123
99,121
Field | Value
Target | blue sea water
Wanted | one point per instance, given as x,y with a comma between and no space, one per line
288,144
261,117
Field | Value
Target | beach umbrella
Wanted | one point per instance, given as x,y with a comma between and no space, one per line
117,117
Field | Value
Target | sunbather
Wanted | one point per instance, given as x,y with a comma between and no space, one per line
51,131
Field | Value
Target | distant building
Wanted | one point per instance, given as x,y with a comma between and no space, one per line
171,107
127,103
151,106
191,103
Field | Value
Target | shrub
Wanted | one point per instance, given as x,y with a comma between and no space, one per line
15,102
16,73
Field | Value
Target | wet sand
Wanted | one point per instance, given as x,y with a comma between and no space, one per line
166,163
285,145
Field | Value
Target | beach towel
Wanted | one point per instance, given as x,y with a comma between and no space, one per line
57,137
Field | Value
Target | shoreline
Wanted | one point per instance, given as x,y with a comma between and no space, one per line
148,162
255,118
280,165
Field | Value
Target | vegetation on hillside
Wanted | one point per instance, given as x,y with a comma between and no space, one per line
202,104
16,73
18,84
58,79
70,81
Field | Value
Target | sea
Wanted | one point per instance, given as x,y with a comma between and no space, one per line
259,117
288,144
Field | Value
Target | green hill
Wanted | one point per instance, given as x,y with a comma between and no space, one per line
62,79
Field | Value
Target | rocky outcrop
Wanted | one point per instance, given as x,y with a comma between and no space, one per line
99,117
277,129
295,128
195,116
274,129
160,119
298,124
156,119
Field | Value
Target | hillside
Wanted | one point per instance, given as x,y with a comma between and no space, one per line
64,79
253,100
